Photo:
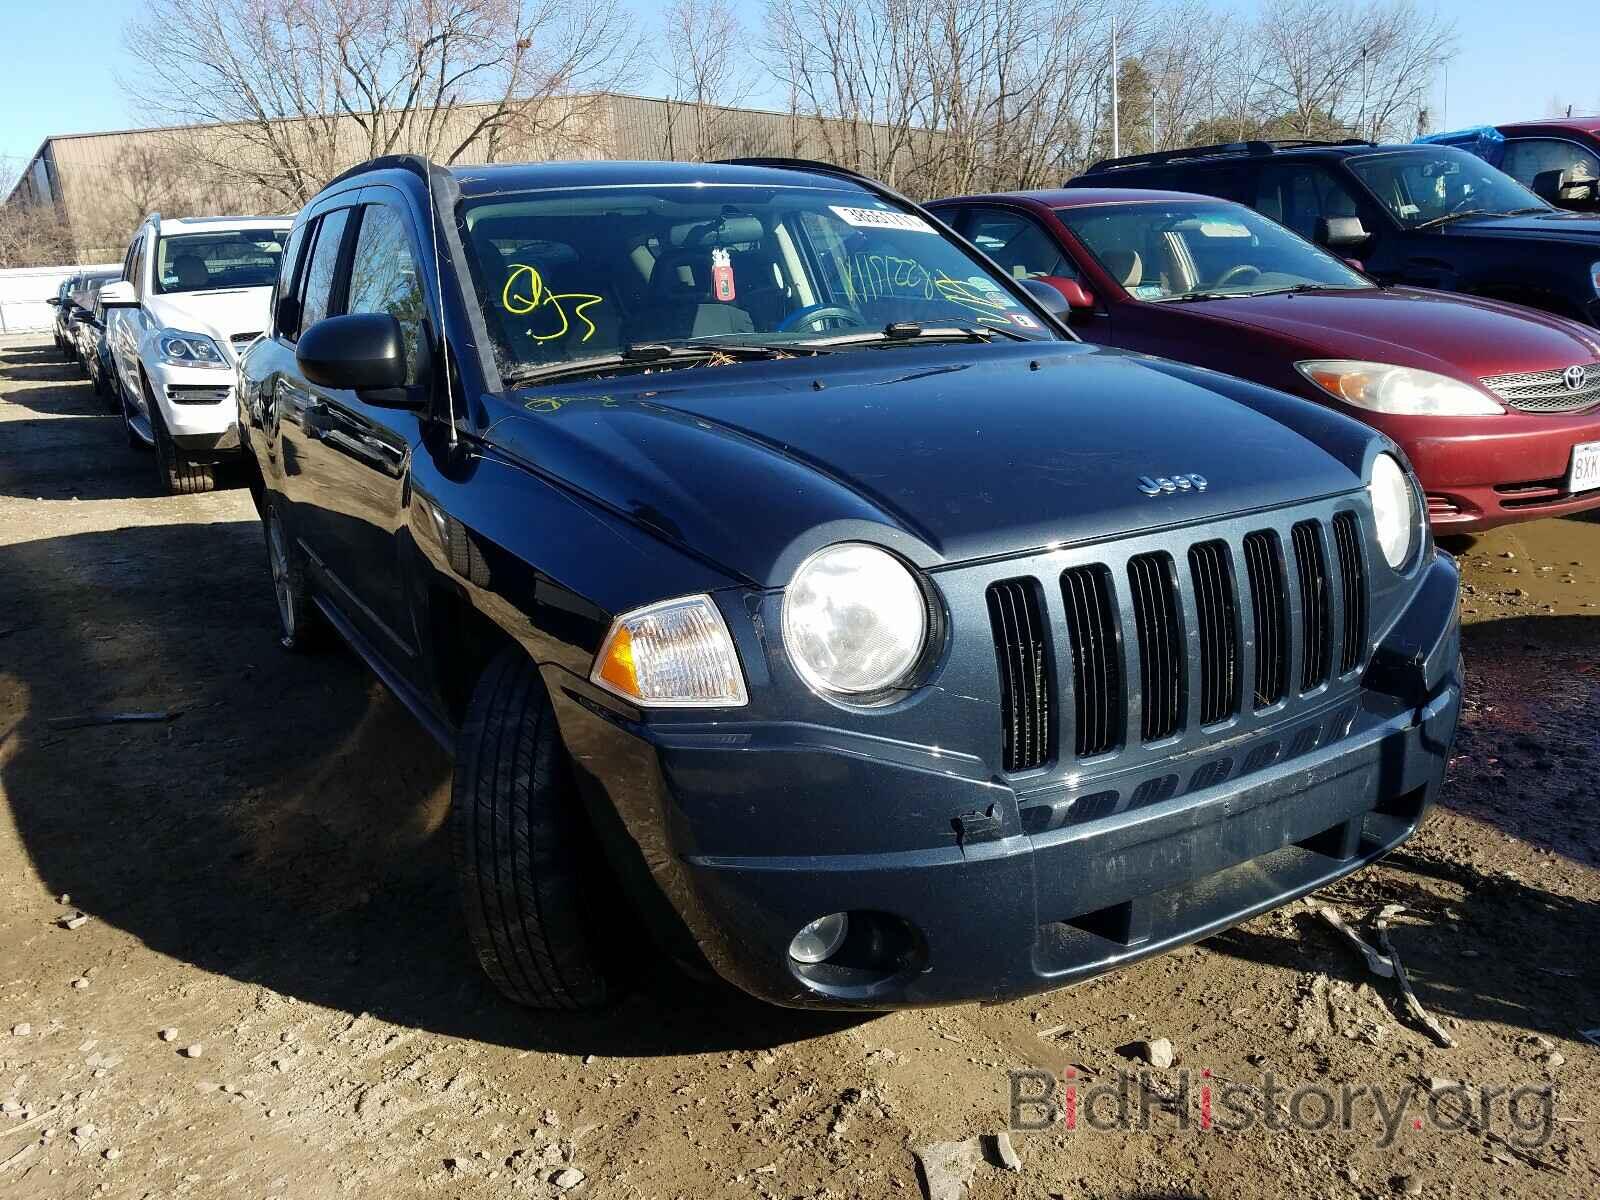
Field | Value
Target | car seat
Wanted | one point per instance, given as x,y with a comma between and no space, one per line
191,272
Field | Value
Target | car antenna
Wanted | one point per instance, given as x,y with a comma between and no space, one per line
438,292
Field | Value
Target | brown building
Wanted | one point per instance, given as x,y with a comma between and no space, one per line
103,184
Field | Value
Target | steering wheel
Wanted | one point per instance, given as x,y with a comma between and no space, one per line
1239,272
819,312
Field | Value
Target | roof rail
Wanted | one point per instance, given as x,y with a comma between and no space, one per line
1221,150
417,164
1302,143
797,164
1251,149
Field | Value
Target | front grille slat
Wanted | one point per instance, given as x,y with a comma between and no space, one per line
1210,567
1155,612
1311,566
1026,704
1096,676
1353,589
1270,614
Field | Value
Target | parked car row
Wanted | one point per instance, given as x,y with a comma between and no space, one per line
797,590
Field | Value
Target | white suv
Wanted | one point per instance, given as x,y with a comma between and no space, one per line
194,293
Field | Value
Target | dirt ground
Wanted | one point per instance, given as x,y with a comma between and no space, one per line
265,874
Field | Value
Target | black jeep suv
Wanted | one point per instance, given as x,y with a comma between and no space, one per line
1427,216
794,589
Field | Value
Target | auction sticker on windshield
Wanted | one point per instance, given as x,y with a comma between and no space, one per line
1585,473
878,218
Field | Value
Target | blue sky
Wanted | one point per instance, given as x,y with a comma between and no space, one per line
61,60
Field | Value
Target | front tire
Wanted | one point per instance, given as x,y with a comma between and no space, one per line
525,857
301,627
178,475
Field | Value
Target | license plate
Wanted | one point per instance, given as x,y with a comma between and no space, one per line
1585,473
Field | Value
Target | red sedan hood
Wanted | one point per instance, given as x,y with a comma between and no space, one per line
1437,331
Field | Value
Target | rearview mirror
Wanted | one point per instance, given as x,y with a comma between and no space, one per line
361,352
119,294
1341,231
1049,299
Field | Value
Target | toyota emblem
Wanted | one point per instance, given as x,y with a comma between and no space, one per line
1574,378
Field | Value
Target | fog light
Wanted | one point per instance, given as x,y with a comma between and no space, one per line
818,940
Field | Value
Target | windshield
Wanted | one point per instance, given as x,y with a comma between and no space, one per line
1440,183
236,258
588,272
1193,248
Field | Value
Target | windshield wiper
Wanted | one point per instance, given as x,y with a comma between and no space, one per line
1456,216
681,352
906,332
1297,288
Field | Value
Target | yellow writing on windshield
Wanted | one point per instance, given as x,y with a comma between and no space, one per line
525,293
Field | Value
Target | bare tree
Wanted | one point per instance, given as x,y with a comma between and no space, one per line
854,71
279,95
1333,68
33,235
706,59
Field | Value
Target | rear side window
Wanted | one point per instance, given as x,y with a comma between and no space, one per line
384,277
1528,158
320,275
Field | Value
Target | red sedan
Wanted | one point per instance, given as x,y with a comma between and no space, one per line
1497,406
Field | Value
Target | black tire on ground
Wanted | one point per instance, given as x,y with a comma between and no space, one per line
135,442
301,626
178,475
532,880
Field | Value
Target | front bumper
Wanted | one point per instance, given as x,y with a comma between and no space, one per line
1032,892
1490,471
198,407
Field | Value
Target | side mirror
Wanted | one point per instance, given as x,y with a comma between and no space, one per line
361,352
1340,231
1079,298
119,294
1048,297
52,301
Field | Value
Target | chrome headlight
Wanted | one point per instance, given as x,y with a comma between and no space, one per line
1386,388
854,620
1394,510
675,654
180,349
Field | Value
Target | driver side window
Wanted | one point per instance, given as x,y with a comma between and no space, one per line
1299,195
1017,243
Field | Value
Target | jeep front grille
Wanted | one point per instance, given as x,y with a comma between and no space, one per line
1270,609
1161,649
1311,567
1545,391
1026,682
1211,569
1285,613
1096,658
1353,581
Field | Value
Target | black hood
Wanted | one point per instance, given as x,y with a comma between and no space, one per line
1554,225
948,453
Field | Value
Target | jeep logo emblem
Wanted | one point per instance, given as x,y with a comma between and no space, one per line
1574,378
1171,483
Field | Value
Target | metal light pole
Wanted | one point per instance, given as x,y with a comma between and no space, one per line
1116,115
